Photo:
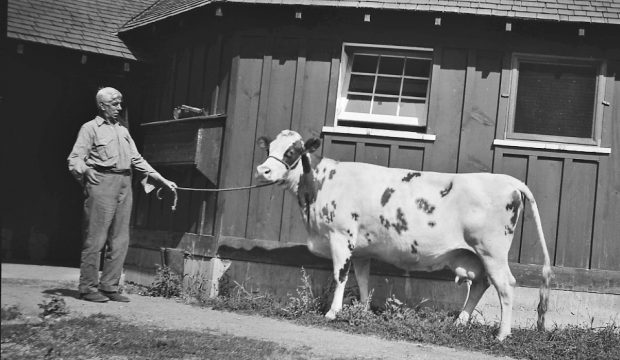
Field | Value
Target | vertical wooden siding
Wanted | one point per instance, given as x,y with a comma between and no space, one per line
281,82
190,75
276,84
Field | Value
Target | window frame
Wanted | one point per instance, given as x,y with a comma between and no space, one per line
348,49
599,96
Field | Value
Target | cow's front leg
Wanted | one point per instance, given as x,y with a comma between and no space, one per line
341,258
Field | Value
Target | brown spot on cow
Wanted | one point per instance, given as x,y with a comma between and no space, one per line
327,214
411,175
401,222
355,216
386,196
385,222
425,206
332,173
432,223
350,245
447,190
514,206
344,271
367,236
413,249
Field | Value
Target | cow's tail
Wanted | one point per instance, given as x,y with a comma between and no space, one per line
546,270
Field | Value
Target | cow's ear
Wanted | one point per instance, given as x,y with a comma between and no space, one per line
263,142
312,144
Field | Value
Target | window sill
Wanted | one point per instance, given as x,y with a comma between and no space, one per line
528,144
348,130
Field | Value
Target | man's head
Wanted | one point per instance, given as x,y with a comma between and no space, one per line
109,103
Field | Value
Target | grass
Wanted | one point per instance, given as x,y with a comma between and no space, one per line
395,321
10,312
100,336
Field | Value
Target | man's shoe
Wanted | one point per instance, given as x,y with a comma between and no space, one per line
115,296
94,297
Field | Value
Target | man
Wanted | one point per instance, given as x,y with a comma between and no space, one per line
102,160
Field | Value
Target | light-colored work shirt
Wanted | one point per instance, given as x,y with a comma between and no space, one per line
100,145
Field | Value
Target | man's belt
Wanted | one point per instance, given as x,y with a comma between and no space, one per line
113,171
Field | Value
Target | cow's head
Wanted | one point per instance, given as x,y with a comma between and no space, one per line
284,154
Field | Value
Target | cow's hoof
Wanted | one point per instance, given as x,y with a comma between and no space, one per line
463,319
502,337
331,315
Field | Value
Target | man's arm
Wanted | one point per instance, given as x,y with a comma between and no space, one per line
143,167
79,154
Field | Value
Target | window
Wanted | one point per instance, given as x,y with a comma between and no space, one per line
384,87
556,99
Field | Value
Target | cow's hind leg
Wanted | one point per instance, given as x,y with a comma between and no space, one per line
341,258
362,273
501,277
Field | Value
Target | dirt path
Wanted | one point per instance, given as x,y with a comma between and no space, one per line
27,286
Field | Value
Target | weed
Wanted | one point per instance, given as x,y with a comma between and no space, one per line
304,302
225,286
196,287
10,312
54,308
358,313
167,283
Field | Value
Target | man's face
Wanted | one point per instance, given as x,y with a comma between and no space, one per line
111,107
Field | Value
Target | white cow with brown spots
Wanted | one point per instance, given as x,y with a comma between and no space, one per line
422,221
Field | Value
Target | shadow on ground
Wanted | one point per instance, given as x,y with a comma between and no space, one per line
62,292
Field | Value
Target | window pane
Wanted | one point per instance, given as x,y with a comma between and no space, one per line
388,85
365,63
391,65
418,67
384,106
361,83
554,99
412,108
359,104
414,88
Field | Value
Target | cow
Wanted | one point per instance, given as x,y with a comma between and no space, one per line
415,220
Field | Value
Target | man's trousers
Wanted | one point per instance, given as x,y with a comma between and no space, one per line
107,212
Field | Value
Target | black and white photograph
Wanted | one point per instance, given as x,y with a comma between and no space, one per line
310,179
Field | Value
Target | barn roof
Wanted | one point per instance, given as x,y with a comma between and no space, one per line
582,11
86,25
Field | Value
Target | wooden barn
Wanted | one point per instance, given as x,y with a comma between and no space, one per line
526,88
54,56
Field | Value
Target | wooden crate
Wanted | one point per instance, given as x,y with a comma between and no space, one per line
193,141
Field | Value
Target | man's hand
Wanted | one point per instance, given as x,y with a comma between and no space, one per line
92,176
171,185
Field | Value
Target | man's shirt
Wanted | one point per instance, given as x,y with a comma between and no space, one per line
104,145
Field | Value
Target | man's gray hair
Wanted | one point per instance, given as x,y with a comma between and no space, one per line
106,93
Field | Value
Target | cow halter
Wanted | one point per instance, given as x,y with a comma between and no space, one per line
291,166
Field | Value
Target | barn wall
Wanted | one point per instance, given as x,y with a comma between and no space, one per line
272,77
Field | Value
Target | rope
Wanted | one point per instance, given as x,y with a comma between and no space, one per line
176,197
